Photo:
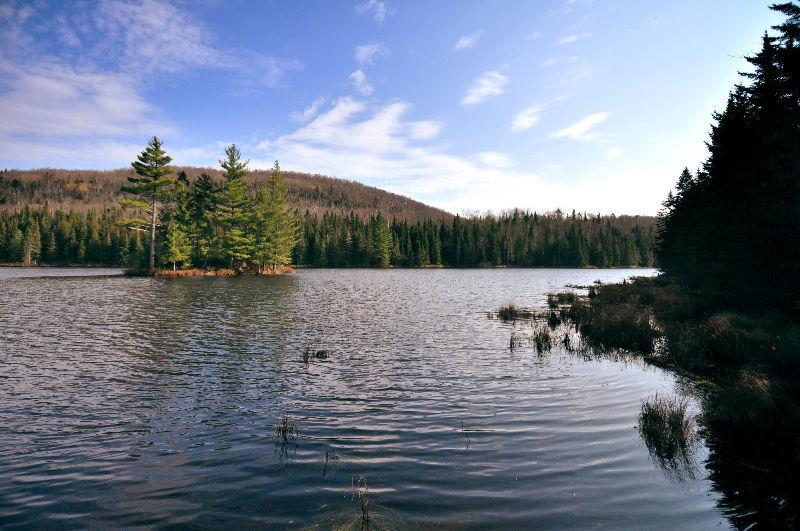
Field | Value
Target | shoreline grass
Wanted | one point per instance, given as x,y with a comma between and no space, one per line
197,272
747,364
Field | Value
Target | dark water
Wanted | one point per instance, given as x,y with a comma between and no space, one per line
153,402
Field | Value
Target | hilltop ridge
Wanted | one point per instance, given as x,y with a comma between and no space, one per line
82,190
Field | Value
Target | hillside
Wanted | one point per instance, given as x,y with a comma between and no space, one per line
82,190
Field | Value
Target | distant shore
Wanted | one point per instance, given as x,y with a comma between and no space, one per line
288,269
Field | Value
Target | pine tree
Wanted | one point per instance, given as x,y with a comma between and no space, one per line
234,242
32,244
203,207
153,170
277,227
178,247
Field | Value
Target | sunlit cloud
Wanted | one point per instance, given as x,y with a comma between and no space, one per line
527,118
309,112
575,37
490,84
359,82
582,129
378,146
467,41
367,53
377,8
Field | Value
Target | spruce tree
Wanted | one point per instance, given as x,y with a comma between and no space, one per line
234,242
178,247
277,228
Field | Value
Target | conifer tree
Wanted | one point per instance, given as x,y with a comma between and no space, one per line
154,174
234,242
32,244
178,247
277,228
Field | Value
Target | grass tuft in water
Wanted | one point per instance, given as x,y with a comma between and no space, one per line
542,339
286,429
667,428
511,312
361,491
310,353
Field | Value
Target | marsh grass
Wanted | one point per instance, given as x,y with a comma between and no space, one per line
286,435
542,339
314,354
514,342
668,429
511,312
553,320
361,493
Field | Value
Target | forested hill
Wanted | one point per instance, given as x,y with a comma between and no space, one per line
84,190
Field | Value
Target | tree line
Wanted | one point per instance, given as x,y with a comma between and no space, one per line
169,220
515,239
732,227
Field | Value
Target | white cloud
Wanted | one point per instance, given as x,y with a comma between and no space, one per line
495,159
554,61
53,99
359,81
581,130
155,35
468,41
527,118
83,100
309,112
490,84
534,35
613,153
367,53
423,130
378,9
377,146
575,37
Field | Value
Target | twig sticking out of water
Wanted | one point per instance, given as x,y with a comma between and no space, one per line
465,434
331,461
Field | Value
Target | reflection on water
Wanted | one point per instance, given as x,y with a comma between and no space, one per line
141,401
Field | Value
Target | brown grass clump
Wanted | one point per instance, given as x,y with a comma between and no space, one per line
748,400
667,428
542,339
511,312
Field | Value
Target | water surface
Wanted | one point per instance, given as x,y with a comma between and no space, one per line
153,402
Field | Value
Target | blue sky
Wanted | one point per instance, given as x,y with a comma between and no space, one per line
466,105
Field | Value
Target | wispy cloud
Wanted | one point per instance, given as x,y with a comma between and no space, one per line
309,112
378,146
527,118
575,37
53,99
468,41
613,153
87,93
367,53
582,129
359,81
490,84
378,9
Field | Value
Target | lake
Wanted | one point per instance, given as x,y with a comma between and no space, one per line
154,402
